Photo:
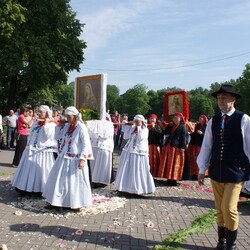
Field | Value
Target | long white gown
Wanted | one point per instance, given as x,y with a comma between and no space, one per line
101,136
133,174
68,186
37,159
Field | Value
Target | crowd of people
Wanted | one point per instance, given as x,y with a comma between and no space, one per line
62,157
150,148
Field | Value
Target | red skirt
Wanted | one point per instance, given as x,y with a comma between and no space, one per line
154,159
193,152
171,163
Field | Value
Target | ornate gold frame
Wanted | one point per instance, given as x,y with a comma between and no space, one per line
81,82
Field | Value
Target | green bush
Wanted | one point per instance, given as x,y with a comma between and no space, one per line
89,114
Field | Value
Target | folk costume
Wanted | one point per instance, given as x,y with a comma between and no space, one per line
155,138
173,153
67,185
194,145
37,159
133,174
226,152
101,137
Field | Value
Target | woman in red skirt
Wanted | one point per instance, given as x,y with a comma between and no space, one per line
173,154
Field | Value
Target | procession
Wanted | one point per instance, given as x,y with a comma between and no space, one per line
124,125
67,167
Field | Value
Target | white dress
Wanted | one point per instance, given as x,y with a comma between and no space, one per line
37,159
101,136
67,185
133,174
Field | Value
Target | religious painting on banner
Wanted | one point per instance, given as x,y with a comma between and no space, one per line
90,93
175,102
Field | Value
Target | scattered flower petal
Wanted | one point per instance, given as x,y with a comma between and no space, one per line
150,225
79,232
18,213
60,245
103,202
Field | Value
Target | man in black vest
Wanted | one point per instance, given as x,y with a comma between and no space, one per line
225,152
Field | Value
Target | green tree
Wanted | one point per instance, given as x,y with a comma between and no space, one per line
136,100
41,50
200,104
11,16
113,96
44,96
156,100
243,87
199,90
64,95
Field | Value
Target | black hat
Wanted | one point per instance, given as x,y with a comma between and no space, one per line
226,88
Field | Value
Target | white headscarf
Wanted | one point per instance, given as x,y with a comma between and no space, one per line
142,119
139,118
45,108
73,111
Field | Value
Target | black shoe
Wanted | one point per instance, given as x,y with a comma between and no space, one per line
244,195
98,185
20,192
75,210
21,195
50,207
36,194
231,239
194,178
221,245
172,183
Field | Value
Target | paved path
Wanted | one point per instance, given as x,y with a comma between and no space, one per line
138,223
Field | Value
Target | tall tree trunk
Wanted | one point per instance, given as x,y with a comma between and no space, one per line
12,92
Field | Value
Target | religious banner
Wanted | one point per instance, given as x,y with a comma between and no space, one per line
175,102
90,93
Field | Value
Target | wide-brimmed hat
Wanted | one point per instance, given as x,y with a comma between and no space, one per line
226,88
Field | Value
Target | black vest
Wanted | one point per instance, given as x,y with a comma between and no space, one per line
228,161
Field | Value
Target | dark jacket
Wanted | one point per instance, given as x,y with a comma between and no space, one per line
228,161
178,138
155,136
196,139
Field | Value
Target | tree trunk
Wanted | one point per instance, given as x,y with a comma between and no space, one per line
12,92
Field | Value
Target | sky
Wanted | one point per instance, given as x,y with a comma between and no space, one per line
164,43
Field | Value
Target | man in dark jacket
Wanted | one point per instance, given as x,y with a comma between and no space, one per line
226,152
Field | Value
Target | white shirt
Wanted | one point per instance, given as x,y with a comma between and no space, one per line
1,123
203,159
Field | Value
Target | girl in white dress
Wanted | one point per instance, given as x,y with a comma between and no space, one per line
38,156
68,184
101,134
133,174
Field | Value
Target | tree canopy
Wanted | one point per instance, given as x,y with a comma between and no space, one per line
41,46
135,101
